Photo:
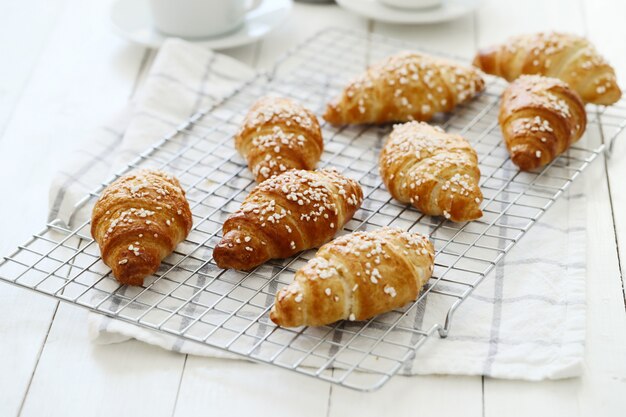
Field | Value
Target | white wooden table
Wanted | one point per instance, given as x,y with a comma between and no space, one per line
64,72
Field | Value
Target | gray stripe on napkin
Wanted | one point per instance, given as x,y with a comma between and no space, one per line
498,293
203,80
514,342
82,170
529,297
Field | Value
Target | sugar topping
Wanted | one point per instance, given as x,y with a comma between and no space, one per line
323,268
391,291
408,72
273,144
375,245
321,197
546,92
274,120
434,154
278,110
140,185
535,124
543,47
314,192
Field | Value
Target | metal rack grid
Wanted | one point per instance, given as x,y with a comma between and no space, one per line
192,298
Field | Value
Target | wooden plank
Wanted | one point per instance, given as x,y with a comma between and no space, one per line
84,74
76,378
598,20
605,378
596,391
412,396
25,318
238,388
82,78
537,399
21,45
603,383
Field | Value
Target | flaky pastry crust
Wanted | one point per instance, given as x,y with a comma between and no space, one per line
540,118
286,214
278,135
403,87
570,58
137,221
435,171
356,277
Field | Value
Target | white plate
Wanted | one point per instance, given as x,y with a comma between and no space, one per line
132,20
373,9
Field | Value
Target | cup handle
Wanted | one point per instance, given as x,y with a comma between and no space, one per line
253,5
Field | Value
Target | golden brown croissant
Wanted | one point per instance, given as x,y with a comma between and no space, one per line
435,171
570,58
355,277
138,221
406,86
540,118
277,135
286,214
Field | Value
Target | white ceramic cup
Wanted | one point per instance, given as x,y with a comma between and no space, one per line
199,18
411,4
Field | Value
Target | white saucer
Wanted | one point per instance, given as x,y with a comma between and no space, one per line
373,9
132,20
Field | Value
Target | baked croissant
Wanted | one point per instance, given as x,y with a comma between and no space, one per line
406,86
277,135
355,277
286,214
435,171
138,221
570,58
540,118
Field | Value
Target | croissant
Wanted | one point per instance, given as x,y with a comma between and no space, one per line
286,214
435,171
137,221
355,277
570,58
277,135
406,86
540,118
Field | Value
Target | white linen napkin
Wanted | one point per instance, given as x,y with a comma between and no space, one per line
526,320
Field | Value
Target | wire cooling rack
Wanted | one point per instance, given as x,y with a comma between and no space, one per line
192,298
